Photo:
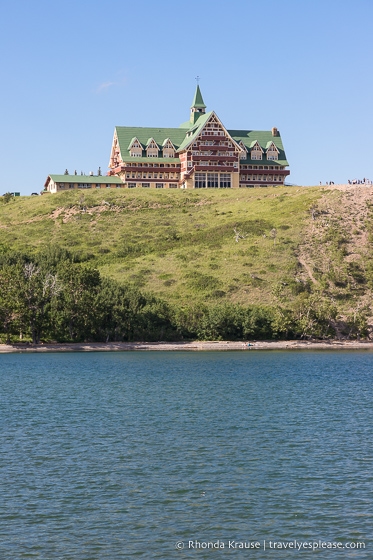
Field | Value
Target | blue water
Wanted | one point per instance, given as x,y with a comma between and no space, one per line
120,455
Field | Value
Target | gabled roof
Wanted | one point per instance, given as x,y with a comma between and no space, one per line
168,140
134,139
255,143
197,100
195,130
271,143
150,140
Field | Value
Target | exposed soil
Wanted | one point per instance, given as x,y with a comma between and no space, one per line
347,210
188,346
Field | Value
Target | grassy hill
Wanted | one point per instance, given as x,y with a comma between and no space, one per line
303,252
182,245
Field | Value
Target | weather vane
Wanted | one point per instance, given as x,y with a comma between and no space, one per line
197,78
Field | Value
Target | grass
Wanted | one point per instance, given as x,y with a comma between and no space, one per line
180,245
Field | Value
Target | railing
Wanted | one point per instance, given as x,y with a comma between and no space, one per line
189,173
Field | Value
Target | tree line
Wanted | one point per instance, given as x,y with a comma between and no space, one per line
52,297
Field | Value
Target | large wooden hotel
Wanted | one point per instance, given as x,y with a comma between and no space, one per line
200,153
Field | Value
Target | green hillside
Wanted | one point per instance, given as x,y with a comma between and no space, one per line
177,244
291,248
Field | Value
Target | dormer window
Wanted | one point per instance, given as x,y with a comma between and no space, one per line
152,148
135,148
272,151
168,149
256,151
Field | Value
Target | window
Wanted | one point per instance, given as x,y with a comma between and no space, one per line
212,180
200,181
146,185
225,180
159,185
272,152
152,148
256,152
135,148
131,185
172,186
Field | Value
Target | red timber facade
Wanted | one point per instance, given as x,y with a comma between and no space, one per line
201,153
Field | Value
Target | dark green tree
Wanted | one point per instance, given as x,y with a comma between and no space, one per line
9,308
74,312
35,290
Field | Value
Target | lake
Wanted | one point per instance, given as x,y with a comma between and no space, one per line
256,454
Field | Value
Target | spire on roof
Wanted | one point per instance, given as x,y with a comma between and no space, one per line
198,100
198,107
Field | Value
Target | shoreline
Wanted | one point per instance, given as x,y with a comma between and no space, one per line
185,346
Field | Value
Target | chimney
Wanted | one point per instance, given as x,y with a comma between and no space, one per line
274,131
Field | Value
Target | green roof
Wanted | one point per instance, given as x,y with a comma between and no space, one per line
197,100
186,124
94,179
126,134
194,130
181,138
263,137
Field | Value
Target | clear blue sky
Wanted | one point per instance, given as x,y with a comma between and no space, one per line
71,71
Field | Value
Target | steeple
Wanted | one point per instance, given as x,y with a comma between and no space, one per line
198,107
